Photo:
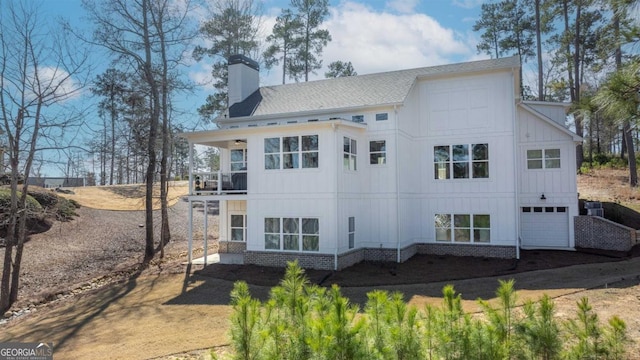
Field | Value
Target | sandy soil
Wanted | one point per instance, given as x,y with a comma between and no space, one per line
157,315
82,289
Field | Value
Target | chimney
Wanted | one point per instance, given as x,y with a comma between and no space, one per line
244,78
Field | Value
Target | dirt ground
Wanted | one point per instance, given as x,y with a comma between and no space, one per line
82,289
167,315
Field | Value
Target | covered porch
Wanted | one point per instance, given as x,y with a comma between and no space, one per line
218,185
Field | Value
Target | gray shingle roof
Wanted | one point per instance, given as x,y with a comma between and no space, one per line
354,91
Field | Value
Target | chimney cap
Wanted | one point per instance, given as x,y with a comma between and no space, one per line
241,59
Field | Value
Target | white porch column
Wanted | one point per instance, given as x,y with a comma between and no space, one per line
206,233
190,254
191,149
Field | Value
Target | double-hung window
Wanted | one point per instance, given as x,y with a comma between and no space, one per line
463,228
292,234
377,152
543,159
238,160
272,153
238,227
461,161
350,154
291,152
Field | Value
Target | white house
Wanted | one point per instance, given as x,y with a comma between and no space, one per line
444,160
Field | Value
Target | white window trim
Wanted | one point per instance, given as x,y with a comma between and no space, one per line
543,159
385,153
350,232
471,228
300,234
450,162
243,162
353,156
244,228
299,153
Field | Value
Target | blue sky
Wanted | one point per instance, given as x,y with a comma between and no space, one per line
374,35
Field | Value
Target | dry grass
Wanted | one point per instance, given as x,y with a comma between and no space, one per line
124,197
609,185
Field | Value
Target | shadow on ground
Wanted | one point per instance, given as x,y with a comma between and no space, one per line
425,275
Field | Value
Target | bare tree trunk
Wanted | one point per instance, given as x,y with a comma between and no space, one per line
628,139
626,128
576,81
165,234
539,51
113,135
153,130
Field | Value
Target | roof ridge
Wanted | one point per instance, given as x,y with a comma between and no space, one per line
511,61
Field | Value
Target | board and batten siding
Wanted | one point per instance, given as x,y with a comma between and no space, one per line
536,134
225,209
474,109
558,185
369,193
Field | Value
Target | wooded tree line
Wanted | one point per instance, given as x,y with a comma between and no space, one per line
585,53
146,41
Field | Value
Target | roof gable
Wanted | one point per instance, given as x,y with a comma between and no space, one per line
379,89
550,121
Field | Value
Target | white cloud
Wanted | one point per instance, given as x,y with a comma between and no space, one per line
402,6
467,4
56,81
376,41
379,41
200,74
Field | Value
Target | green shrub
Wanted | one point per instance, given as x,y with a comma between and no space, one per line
46,198
65,209
5,202
304,321
61,208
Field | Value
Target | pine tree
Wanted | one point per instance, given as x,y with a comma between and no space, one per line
340,69
232,30
283,41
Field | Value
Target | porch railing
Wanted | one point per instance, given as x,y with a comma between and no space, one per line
218,183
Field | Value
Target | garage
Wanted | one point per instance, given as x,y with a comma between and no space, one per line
544,227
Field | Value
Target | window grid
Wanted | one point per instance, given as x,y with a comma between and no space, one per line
377,152
292,234
543,159
238,160
350,154
291,152
461,161
238,227
462,228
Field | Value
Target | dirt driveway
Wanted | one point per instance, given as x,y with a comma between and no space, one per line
157,315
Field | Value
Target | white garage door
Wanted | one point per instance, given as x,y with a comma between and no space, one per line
544,227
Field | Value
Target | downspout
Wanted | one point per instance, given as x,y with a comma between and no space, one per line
397,163
516,168
334,126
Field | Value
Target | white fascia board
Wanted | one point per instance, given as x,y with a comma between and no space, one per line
565,105
208,136
318,112
544,118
